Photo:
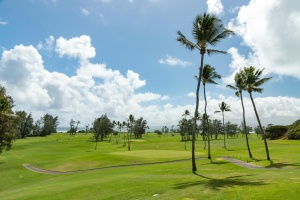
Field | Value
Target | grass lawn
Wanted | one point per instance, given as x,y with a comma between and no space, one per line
218,179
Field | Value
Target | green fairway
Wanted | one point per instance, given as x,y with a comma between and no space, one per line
218,179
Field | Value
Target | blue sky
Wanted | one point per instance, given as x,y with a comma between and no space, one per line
79,59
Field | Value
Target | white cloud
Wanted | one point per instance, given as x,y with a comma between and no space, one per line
191,94
165,97
234,9
272,30
85,11
214,7
3,23
79,47
48,46
169,60
39,91
96,89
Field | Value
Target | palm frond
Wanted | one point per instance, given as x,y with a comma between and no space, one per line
259,90
220,35
261,81
232,87
185,42
214,51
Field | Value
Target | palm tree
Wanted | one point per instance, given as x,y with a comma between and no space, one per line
185,126
207,30
208,76
239,87
224,107
253,83
130,125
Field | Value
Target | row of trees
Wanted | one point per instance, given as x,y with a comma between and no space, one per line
103,127
208,30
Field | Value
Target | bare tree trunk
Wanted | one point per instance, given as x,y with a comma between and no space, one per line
208,133
245,127
261,129
194,167
224,130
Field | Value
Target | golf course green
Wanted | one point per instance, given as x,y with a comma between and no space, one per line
155,168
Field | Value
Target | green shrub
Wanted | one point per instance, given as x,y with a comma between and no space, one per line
275,132
294,134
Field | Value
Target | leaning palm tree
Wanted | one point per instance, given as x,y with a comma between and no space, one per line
207,30
224,107
208,76
239,87
253,82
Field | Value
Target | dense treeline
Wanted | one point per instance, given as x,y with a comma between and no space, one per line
291,132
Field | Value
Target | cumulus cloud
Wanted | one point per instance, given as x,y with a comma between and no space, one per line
81,96
271,30
78,47
96,89
215,7
169,60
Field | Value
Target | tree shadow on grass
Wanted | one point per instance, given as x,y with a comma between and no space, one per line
218,184
282,165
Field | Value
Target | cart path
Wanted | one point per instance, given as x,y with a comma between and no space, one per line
228,159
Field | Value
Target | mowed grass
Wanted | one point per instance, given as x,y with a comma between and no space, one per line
218,179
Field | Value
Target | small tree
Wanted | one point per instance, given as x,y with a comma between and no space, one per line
224,107
50,124
102,126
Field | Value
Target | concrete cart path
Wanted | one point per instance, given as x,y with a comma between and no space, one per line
229,159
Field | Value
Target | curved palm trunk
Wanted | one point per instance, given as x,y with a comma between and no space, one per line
261,129
245,127
224,130
194,167
207,123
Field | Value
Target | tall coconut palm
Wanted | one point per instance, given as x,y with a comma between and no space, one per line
253,82
239,87
207,30
224,107
208,76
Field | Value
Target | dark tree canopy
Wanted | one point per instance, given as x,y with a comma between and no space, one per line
7,126
24,123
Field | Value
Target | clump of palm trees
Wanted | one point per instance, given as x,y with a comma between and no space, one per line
249,79
208,30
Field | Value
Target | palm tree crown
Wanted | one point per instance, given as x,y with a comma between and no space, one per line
253,79
209,74
224,107
240,84
207,30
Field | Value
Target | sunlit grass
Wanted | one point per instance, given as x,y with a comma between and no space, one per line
214,180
